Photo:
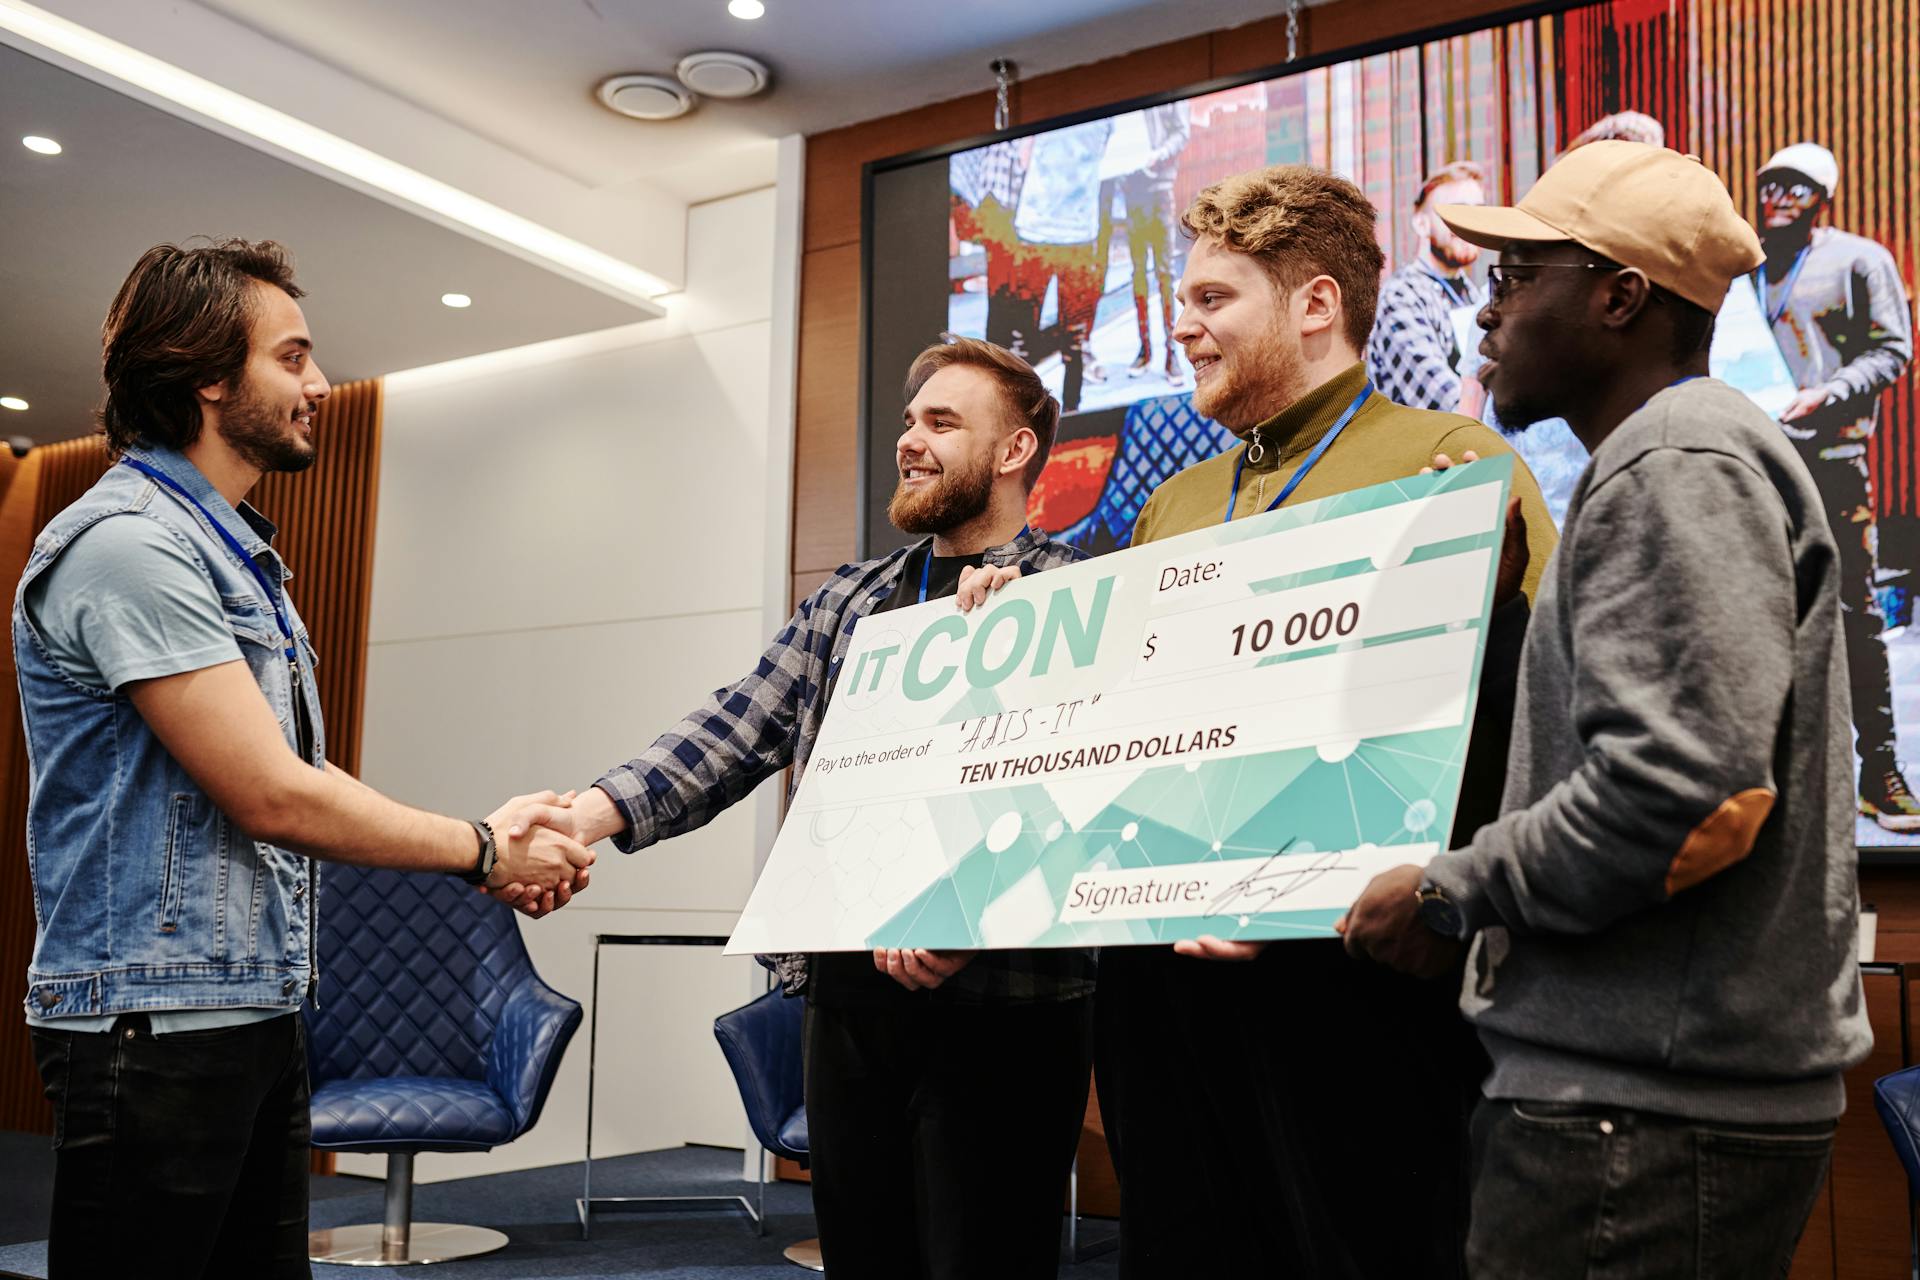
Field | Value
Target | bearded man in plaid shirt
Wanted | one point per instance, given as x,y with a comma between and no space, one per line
945,1090
1414,357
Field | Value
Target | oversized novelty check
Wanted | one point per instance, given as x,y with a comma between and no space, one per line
1228,732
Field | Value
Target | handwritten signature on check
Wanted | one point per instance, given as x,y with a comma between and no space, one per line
1267,883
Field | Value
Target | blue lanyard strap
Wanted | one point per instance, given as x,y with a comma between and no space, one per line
1786,291
1326,442
926,566
233,545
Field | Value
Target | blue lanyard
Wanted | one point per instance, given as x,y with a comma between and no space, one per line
926,566
1786,292
1326,442
233,545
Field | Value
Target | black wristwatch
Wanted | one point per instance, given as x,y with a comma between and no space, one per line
1439,912
483,865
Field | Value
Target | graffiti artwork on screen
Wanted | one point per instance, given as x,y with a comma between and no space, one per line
1065,246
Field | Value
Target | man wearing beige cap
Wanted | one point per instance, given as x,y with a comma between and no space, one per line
1663,919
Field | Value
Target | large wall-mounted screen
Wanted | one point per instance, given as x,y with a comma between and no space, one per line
1063,243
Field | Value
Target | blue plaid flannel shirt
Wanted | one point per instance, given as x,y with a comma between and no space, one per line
1412,356
769,719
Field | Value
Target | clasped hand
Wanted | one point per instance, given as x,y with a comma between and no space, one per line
540,864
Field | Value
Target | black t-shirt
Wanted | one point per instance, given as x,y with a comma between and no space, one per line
848,977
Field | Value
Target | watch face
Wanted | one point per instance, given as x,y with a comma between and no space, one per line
1441,916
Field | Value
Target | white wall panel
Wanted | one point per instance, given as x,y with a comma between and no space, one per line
572,553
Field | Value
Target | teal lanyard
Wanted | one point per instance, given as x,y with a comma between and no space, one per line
1326,442
1786,290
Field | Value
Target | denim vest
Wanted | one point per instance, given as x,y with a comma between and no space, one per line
145,895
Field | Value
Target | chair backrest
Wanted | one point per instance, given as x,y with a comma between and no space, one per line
762,1043
1897,1098
414,970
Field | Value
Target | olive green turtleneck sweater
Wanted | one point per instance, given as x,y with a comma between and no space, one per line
1385,441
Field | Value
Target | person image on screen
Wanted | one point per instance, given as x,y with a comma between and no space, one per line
1841,319
945,1091
179,785
985,186
1414,355
1058,224
1664,919
1315,1093
1148,194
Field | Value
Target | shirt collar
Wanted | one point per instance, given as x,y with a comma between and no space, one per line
254,531
1298,427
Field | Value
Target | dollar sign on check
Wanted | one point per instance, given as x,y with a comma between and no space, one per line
1151,637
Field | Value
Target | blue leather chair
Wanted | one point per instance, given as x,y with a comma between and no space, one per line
762,1044
1897,1098
431,1032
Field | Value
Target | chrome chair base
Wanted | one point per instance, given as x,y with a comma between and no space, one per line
805,1253
371,1245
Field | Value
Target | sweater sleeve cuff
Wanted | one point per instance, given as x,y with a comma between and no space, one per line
629,795
1456,874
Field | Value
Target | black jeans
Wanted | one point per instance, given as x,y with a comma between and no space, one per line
1573,1192
1847,492
1303,1115
942,1135
180,1156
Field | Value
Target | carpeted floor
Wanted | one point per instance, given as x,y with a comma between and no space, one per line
535,1208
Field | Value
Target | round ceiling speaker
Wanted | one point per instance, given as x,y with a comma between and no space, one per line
722,75
646,97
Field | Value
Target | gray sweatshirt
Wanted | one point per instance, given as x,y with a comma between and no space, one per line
1667,909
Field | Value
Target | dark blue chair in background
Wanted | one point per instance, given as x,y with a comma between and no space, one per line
761,1041
432,1032
1897,1098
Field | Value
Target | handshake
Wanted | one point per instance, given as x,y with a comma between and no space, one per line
542,855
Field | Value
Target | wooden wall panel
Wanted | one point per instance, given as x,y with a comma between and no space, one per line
826,447
326,518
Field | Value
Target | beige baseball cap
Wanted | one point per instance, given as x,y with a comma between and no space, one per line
1642,206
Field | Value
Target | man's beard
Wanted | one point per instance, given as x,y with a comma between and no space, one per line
1455,253
263,433
1261,379
959,495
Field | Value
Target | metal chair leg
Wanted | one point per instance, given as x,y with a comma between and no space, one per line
398,1240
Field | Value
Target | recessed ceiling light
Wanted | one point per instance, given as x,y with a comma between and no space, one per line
456,300
746,9
14,403
45,146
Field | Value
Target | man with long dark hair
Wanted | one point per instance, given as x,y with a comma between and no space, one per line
180,785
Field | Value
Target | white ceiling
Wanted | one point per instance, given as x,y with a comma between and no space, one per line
132,177
492,96
521,73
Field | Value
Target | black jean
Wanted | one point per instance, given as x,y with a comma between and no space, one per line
1847,493
1574,1192
1303,1115
180,1156
942,1135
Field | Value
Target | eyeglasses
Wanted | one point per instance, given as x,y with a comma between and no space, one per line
1501,278
1797,191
